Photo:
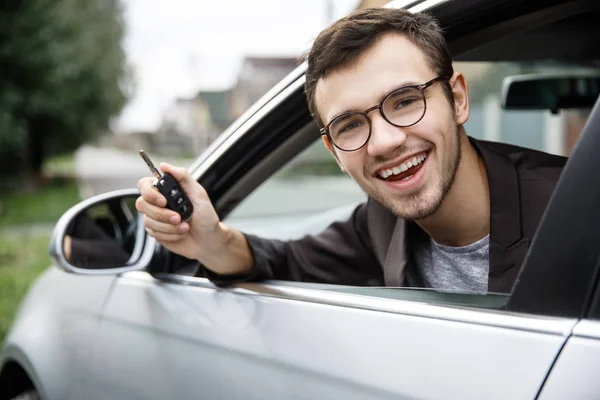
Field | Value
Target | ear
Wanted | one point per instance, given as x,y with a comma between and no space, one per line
460,93
330,148
327,144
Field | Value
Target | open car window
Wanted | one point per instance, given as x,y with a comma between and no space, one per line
291,165
310,192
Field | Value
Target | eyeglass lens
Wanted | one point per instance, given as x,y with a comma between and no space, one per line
403,107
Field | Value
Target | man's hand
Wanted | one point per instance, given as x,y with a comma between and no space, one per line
203,237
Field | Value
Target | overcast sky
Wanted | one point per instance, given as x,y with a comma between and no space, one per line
178,47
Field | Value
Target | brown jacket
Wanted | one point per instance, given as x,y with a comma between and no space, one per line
372,248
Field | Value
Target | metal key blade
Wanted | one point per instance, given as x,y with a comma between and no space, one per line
156,172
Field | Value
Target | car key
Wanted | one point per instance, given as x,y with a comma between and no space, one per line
168,187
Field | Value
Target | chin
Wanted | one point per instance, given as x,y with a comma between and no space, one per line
415,206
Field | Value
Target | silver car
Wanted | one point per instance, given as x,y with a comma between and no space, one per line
134,321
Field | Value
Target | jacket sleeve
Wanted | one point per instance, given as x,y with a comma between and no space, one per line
342,254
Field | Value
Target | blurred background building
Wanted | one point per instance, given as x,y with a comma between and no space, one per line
190,124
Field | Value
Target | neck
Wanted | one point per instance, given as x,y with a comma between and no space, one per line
464,216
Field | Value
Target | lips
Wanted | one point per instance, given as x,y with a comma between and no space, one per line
403,175
404,169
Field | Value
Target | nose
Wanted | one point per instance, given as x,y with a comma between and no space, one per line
385,137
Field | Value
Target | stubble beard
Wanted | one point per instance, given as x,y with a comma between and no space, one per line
419,205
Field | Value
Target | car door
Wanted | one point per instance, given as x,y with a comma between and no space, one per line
188,339
574,373
168,334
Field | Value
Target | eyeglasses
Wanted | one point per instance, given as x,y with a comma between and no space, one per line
403,107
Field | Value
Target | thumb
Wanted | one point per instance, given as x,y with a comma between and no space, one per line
183,177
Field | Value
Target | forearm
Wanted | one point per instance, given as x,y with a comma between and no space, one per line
233,257
338,255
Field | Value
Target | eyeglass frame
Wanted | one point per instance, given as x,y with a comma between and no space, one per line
421,88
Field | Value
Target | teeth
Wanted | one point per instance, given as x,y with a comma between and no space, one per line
386,173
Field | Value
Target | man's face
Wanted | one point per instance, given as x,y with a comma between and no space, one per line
432,144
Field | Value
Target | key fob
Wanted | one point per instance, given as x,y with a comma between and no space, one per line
168,187
176,197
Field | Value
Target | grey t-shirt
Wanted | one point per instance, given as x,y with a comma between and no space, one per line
463,269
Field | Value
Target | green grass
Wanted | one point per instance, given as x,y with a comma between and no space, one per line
45,205
24,254
22,259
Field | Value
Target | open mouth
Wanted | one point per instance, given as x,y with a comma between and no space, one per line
404,170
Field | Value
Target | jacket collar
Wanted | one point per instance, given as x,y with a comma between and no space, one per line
507,245
503,181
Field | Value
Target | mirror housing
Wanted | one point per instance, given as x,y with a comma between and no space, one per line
552,92
102,235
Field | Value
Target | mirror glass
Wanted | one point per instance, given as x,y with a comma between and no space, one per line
550,92
105,235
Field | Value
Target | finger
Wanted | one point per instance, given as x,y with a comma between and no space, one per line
187,182
165,237
160,214
149,193
162,227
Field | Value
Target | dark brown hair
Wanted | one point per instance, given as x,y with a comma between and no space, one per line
342,43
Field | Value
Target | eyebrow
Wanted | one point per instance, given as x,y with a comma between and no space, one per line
381,97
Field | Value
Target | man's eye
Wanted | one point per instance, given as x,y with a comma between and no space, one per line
349,126
405,102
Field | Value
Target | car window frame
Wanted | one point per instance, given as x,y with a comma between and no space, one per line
229,149
594,306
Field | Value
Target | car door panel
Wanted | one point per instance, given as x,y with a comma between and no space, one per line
575,374
184,341
55,337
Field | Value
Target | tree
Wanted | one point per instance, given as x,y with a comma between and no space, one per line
63,77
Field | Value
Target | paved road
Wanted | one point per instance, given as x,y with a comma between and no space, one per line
100,170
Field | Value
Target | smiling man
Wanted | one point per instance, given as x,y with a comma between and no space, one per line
444,210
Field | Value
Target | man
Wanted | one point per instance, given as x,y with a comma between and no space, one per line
444,210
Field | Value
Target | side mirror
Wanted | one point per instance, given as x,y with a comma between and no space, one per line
550,91
101,235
